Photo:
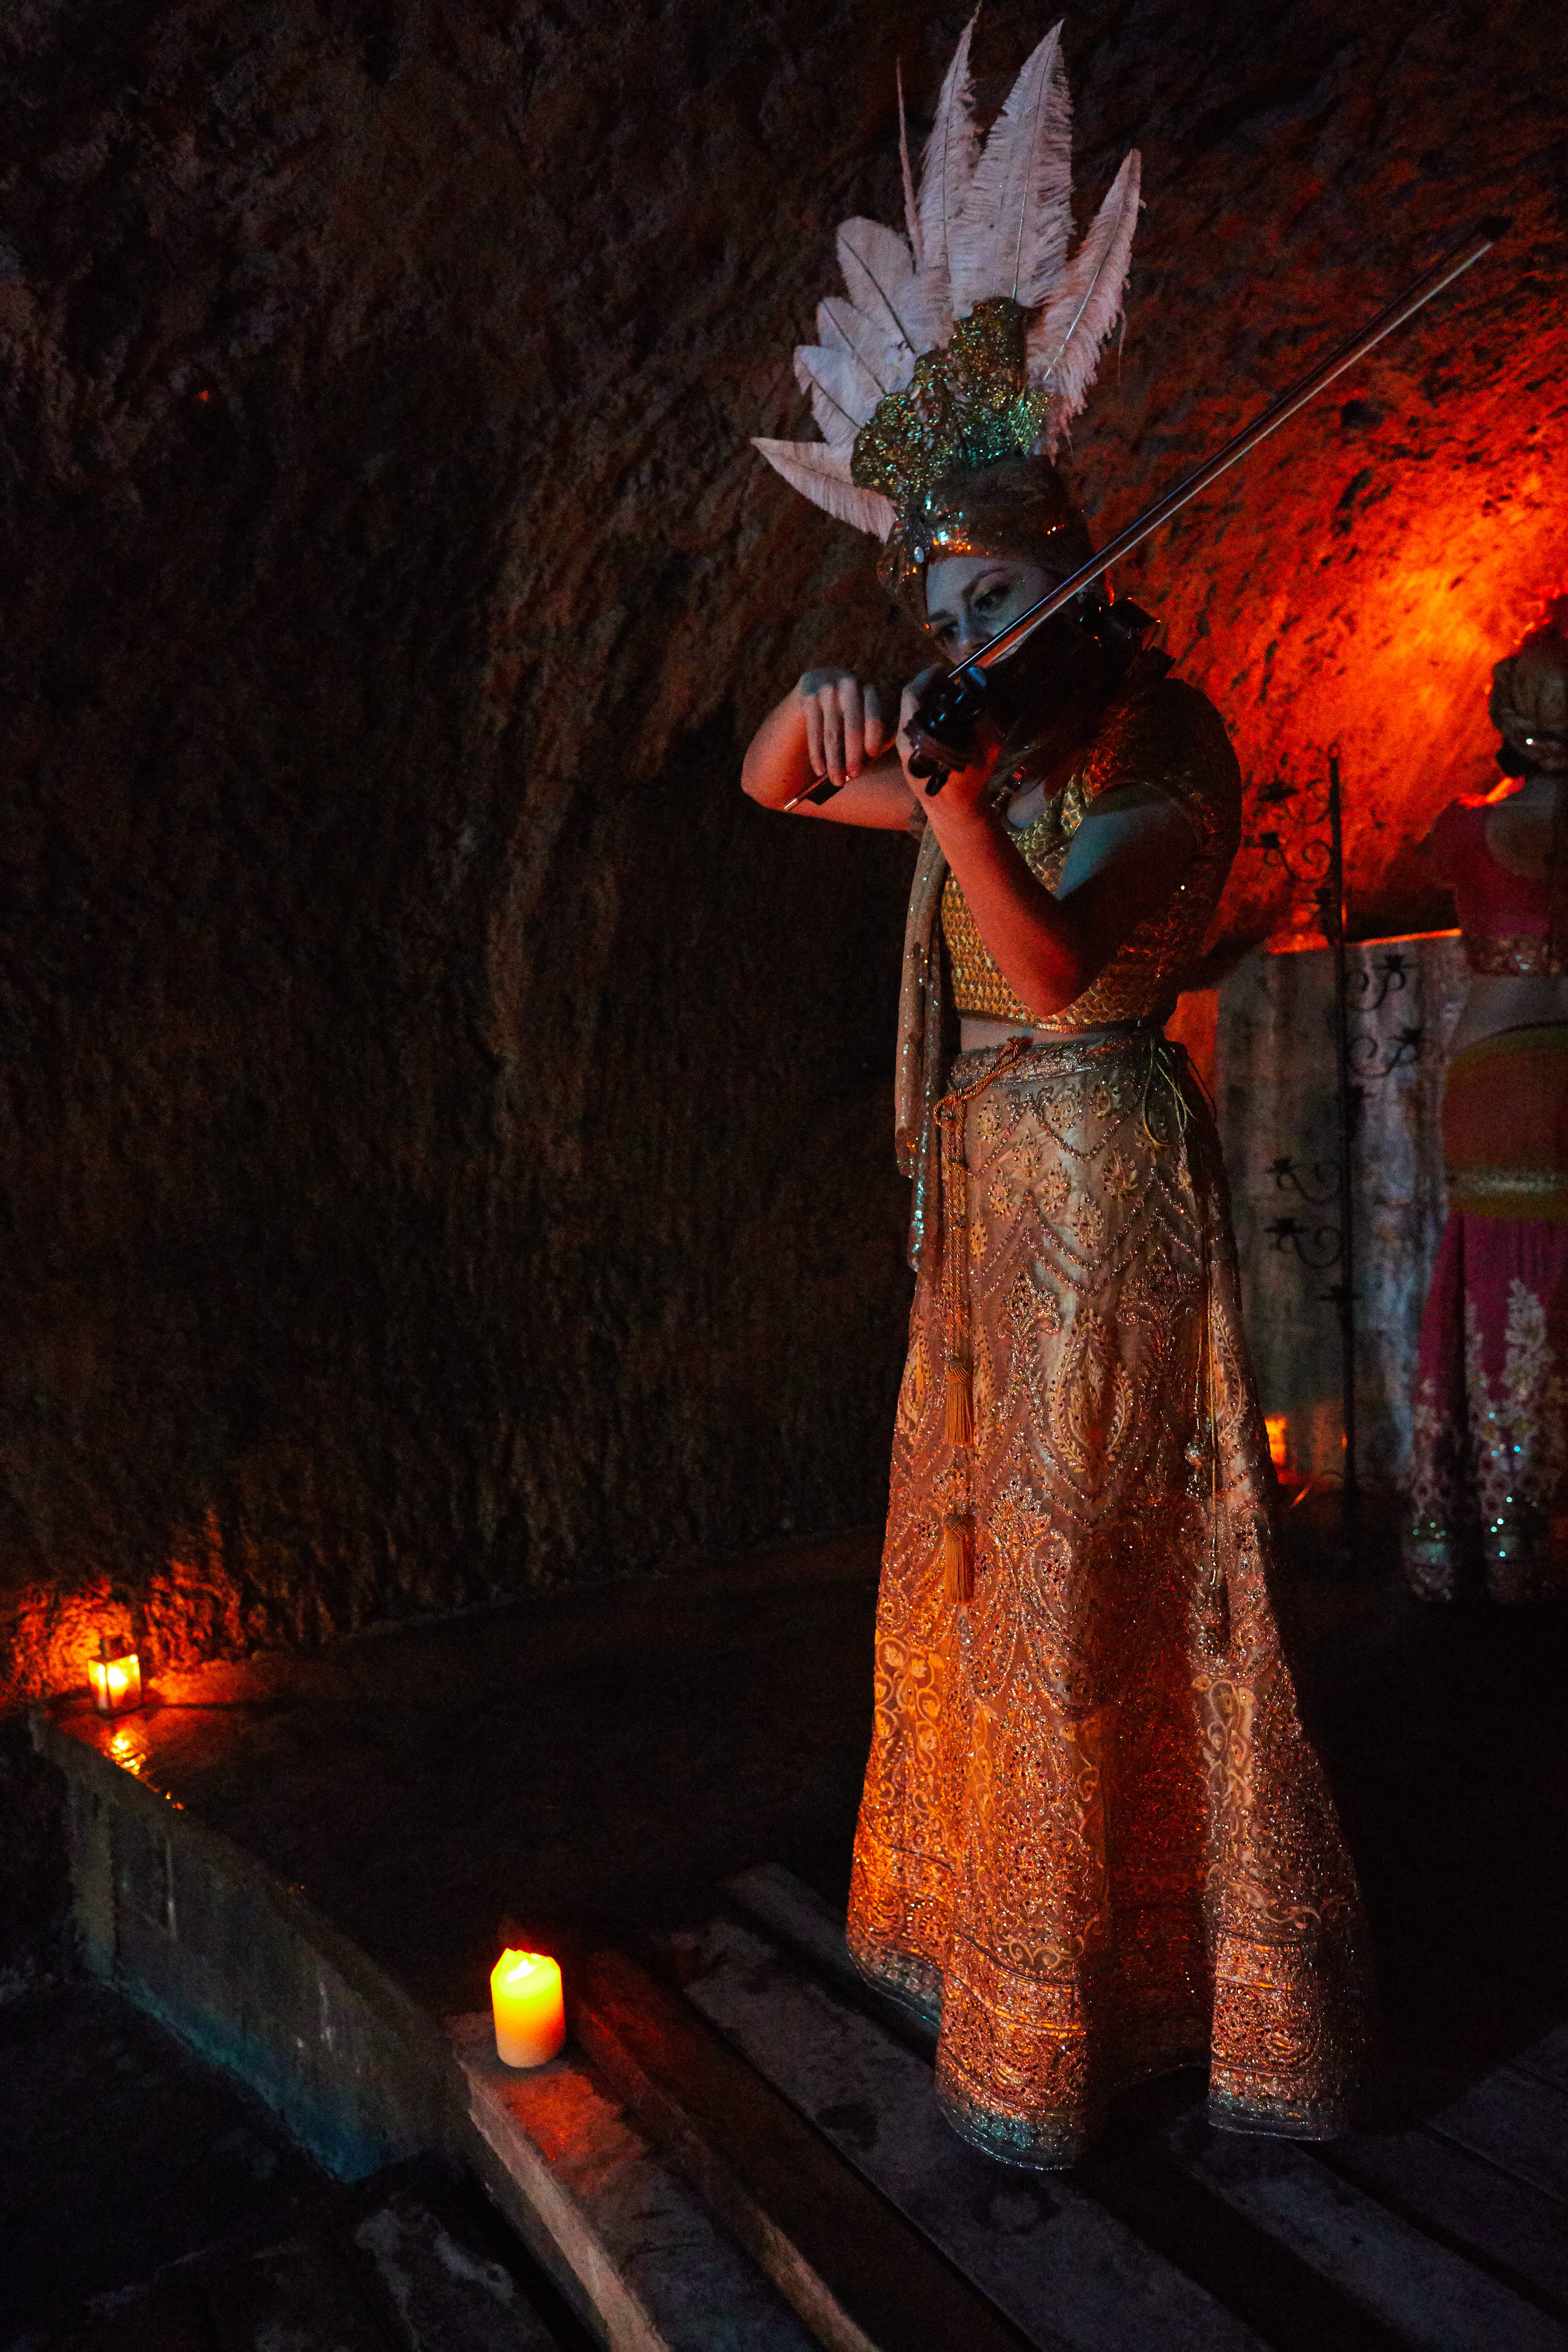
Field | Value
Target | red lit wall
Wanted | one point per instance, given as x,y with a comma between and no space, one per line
1355,580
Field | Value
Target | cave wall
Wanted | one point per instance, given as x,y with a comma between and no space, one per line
446,1129
36,1938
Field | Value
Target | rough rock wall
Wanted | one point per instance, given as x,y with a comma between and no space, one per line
1355,581
444,1129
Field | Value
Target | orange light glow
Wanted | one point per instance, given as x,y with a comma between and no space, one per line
1278,1430
1357,586
529,2015
129,1749
115,1676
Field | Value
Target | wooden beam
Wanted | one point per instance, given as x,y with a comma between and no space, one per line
858,2275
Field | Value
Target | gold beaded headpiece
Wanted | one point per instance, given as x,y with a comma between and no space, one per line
944,383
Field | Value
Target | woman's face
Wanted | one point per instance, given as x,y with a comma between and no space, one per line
969,598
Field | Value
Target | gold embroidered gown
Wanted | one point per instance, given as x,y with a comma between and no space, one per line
1094,1841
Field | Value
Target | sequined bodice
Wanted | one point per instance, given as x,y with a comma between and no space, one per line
1165,734
1514,924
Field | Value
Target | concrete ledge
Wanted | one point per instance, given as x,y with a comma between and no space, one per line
243,1969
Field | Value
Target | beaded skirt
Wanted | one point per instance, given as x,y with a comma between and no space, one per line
1095,1842
1488,1472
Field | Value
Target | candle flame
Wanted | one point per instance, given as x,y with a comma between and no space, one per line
1278,1429
514,1969
114,1676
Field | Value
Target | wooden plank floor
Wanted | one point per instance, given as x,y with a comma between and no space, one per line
847,2260
1049,2255
1462,2200
1449,2234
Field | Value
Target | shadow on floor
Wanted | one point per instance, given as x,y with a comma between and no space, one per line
120,2154
136,2183
1446,1733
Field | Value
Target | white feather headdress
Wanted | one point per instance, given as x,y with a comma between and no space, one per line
974,336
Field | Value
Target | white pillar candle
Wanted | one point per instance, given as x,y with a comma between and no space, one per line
530,2019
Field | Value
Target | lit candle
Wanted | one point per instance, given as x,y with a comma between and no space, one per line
115,1675
1278,1430
531,2021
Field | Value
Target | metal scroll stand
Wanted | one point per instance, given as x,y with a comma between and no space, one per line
1331,902
1356,1059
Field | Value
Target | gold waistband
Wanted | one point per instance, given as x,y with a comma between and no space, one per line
1109,1033
1518,1194
1103,1034
1491,1183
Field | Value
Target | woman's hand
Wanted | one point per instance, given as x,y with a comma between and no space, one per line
828,725
844,729
963,796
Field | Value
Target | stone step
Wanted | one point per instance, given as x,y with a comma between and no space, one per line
1467,2203
1243,2270
1419,2290
176,2317
373,2271
1261,2277
1547,2059
1517,2120
572,2171
202,1936
1445,2234
432,2287
861,2275
1402,2238
796,1917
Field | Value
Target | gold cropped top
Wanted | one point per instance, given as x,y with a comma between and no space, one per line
1172,736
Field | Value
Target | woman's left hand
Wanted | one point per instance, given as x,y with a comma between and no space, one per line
964,793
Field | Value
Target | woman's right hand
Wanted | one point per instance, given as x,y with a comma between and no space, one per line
845,732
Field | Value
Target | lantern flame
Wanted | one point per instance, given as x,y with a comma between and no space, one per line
115,1676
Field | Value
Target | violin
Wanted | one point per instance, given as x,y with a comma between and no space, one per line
1080,630
1071,663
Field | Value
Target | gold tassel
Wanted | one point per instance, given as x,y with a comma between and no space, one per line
960,1408
957,1526
958,1557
